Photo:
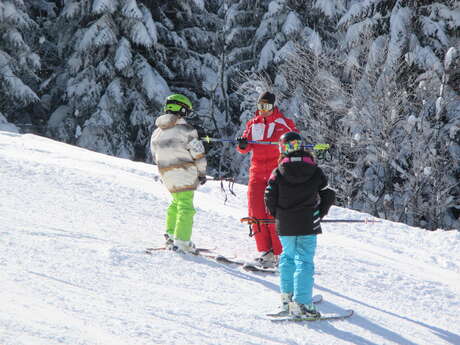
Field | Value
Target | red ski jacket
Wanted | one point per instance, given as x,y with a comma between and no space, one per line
265,157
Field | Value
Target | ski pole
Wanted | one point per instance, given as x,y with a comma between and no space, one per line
318,147
252,220
350,221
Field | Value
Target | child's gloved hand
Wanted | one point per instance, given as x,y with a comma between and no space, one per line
242,142
202,179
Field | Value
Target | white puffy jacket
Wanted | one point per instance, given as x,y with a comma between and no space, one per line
178,152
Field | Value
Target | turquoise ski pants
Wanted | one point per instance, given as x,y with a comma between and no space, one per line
179,217
297,268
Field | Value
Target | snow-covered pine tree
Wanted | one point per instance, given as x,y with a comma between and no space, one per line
235,47
331,10
308,79
371,98
110,88
375,134
7,126
270,28
188,58
450,104
241,19
397,41
286,25
322,100
315,95
44,13
431,189
19,62
434,191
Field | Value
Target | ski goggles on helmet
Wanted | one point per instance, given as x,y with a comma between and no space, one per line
176,106
264,106
290,146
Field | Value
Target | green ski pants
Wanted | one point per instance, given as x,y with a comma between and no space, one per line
179,217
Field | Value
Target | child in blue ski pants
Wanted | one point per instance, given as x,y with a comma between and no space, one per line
297,267
298,196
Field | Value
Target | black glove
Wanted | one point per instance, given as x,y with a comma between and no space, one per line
242,142
202,179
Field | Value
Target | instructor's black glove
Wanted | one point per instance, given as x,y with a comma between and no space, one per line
202,179
242,142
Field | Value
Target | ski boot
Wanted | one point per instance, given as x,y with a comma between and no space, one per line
283,309
184,247
303,310
169,241
267,260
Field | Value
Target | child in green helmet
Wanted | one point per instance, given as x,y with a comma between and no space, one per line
181,161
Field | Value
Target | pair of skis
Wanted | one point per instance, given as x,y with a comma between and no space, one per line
275,317
285,317
209,253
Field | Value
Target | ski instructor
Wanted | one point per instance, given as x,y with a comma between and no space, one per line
268,125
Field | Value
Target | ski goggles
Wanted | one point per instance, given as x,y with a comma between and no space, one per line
290,146
264,106
177,106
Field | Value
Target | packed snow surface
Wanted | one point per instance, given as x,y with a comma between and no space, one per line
74,225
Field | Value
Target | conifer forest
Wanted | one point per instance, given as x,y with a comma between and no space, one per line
378,80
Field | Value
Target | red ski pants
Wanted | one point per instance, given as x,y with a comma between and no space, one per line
266,238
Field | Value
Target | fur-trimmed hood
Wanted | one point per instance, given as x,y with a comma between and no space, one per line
167,121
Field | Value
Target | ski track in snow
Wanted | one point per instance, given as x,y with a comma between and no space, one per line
72,268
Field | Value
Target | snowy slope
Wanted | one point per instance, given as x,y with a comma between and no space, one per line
74,224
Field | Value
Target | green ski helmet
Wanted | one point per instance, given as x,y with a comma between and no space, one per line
178,104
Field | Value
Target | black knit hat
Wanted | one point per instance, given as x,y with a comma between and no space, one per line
267,97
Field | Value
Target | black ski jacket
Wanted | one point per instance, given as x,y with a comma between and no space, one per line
298,196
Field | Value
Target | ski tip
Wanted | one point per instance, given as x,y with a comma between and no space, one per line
152,249
206,250
253,268
317,299
225,260
277,314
